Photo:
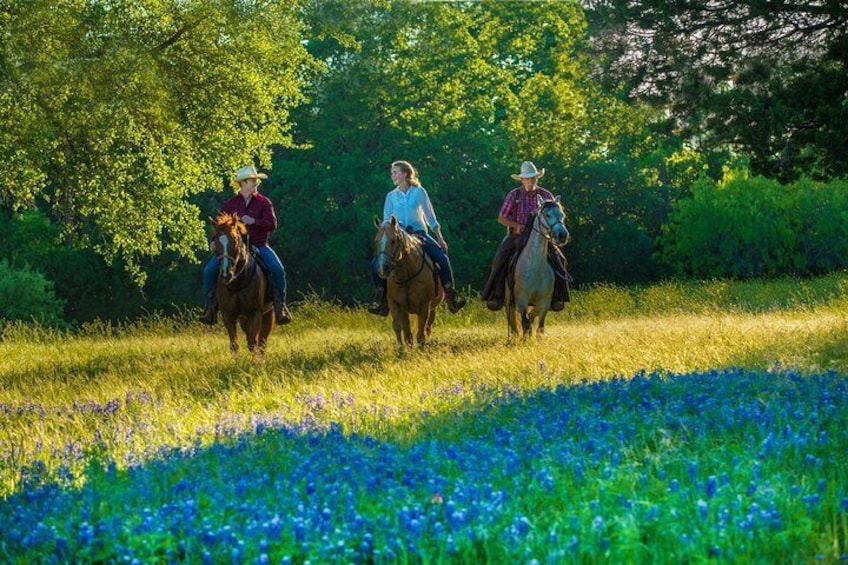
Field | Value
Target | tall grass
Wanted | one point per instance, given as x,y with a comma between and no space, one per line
125,397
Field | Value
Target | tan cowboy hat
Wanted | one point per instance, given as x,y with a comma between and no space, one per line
248,172
528,170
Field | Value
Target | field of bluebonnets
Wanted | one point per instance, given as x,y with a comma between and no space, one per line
674,423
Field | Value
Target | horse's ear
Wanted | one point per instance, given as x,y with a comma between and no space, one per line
211,220
377,222
393,220
539,200
557,199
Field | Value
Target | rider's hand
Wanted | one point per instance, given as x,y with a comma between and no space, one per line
247,220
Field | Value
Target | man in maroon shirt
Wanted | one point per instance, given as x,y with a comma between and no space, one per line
257,212
517,213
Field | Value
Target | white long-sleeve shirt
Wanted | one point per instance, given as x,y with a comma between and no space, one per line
412,208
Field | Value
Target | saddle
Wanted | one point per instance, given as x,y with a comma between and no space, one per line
428,261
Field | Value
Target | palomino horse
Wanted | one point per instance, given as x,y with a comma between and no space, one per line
530,298
411,284
242,285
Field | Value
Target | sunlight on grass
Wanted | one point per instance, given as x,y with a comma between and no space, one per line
599,418
65,392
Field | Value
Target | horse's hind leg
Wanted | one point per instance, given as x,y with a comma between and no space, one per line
423,330
540,328
252,329
233,335
265,331
431,318
511,322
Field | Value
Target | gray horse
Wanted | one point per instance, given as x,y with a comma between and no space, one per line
529,299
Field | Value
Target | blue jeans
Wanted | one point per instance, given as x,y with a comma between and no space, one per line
432,249
275,266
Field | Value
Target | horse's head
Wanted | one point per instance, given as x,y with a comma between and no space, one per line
391,244
228,244
551,220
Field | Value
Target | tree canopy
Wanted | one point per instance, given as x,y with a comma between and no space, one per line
764,78
112,114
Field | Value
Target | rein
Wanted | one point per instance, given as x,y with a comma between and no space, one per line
394,261
540,218
248,262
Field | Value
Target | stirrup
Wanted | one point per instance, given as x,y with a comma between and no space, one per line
455,303
210,312
494,304
282,314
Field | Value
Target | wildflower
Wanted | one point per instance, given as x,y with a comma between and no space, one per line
712,485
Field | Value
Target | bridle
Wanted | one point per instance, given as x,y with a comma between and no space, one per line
241,257
393,260
548,228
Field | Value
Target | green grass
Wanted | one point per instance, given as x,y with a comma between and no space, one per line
347,361
165,447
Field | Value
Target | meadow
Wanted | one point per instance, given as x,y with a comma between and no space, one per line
680,422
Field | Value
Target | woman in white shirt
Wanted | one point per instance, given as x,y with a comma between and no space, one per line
410,204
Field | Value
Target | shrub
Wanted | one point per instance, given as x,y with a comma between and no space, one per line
746,227
27,295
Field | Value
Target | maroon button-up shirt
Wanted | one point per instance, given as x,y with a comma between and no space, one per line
260,208
519,209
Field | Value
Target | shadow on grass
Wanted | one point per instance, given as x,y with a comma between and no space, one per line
469,481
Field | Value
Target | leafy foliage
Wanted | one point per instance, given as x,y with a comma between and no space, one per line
461,90
755,227
114,113
765,78
26,295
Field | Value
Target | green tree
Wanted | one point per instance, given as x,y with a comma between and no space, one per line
114,113
465,91
765,79
26,295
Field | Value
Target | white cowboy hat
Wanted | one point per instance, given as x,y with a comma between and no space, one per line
248,172
528,170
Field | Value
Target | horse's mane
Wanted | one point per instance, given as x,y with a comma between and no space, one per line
410,243
548,203
229,222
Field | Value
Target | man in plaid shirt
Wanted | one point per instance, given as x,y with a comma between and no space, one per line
517,214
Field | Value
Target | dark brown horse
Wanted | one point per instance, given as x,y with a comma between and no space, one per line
412,286
242,285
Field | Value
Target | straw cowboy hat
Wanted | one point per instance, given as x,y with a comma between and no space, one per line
247,172
528,170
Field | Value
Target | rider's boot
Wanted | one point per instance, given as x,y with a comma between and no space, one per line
380,304
455,301
210,311
281,311
495,303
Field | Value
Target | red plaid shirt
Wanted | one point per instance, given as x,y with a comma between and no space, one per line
519,204
260,209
